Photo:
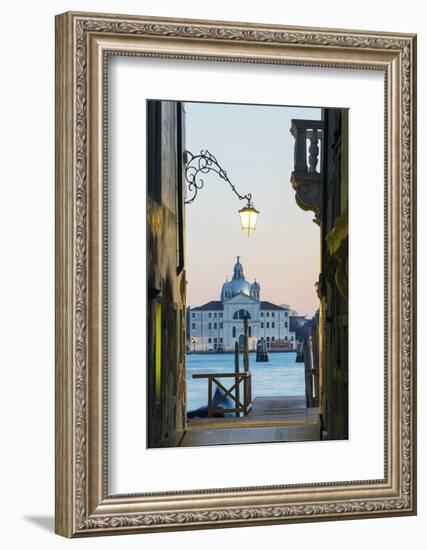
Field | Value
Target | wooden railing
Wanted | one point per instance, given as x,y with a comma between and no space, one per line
240,405
240,379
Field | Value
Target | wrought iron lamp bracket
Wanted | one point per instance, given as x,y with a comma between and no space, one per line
203,163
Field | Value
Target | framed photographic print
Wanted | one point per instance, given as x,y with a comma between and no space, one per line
235,274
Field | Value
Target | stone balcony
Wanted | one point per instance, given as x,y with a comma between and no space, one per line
307,176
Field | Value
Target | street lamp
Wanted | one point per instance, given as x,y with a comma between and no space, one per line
248,217
194,342
205,162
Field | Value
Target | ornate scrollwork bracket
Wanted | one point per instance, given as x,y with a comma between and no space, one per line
203,163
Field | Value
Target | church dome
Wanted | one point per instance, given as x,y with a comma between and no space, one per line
238,284
235,287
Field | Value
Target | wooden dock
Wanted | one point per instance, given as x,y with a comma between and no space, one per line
271,419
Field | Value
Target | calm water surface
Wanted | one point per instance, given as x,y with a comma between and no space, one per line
280,376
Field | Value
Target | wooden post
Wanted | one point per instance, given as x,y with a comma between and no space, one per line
248,394
315,363
246,345
210,397
246,360
308,367
236,370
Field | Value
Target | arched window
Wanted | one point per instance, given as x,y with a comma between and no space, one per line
234,332
241,314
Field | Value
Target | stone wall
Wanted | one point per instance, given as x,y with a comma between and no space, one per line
334,278
166,395
321,186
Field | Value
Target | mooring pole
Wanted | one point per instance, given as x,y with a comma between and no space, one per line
246,345
236,370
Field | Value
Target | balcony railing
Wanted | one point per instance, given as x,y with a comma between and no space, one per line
307,176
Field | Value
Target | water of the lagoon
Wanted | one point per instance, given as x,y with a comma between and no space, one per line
281,375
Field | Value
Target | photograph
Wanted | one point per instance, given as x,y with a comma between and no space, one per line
247,273
226,354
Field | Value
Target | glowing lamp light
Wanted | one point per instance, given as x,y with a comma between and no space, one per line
248,218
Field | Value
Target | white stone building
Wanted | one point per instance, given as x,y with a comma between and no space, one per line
216,325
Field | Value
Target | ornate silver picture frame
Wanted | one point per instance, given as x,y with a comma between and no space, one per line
84,43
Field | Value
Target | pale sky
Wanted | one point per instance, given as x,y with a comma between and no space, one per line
255,147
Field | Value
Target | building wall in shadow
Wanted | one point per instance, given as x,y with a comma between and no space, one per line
166,394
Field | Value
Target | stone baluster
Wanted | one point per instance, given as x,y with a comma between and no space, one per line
300,149
313,150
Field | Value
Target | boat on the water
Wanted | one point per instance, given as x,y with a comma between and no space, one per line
219,402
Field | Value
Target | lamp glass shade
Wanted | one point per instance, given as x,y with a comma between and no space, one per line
248,218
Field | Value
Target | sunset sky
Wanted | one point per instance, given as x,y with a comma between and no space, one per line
254,145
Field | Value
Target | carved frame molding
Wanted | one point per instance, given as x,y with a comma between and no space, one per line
83,43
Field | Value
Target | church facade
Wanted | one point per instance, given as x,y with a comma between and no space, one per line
218,324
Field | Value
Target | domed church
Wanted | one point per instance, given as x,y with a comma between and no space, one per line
218,324
239,285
